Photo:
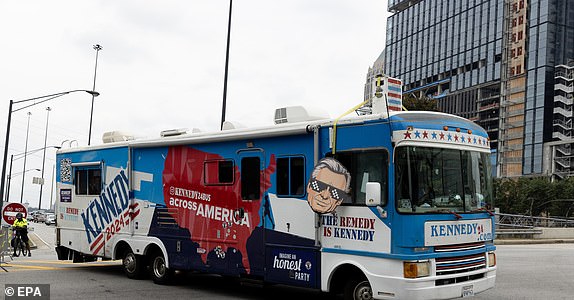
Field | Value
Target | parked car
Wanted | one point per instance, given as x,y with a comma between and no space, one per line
39,217
50,219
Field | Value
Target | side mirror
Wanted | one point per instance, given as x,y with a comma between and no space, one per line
373,197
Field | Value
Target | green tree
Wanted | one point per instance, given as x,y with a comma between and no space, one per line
539,191
535,195
511,196
562,202
412,102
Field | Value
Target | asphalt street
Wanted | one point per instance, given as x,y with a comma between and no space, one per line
525,271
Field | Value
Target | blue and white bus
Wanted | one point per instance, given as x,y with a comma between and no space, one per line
407,216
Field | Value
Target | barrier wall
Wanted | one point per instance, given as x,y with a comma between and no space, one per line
554,233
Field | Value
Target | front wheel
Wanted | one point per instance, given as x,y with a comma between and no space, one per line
19,247
358,290
159,271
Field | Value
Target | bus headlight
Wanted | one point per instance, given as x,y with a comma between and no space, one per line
416,269
491,259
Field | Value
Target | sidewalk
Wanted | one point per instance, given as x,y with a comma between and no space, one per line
532,241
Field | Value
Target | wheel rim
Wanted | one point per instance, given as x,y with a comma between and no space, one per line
130,263
159,267
363,291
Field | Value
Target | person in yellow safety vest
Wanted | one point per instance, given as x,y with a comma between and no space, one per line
21,228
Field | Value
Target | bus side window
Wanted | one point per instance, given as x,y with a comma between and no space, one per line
290,176
218,172
370,167
365,166
250,178
88,180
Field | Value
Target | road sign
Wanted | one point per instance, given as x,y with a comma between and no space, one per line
9,213
38,180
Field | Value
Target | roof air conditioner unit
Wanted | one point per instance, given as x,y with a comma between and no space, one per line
173,132
294,114
116,136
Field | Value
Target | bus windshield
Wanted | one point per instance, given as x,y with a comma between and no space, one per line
435,180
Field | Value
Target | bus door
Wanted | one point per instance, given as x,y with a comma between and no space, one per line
247,218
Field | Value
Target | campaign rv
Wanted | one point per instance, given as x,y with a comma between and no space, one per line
393,205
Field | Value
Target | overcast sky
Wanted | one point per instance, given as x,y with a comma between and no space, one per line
162,66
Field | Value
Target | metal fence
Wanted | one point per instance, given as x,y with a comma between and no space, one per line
5,249
521,221
5,240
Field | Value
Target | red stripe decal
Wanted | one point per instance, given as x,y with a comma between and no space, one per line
98,249
135,214
97,241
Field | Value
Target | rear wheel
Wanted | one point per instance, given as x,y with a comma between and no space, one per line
133,265
159,271
358,290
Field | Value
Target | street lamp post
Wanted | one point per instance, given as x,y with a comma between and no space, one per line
12,175
97,48
39,100
25,152
14,157
9,175
44,157
52,189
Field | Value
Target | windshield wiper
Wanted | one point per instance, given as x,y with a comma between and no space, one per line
457,216
483,209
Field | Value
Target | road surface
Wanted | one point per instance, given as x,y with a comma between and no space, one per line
540,271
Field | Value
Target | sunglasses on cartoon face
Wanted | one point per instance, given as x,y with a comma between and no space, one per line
337,194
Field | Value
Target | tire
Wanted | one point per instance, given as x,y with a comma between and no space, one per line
23,249
159,272
16,246
358,290
133,265
20,247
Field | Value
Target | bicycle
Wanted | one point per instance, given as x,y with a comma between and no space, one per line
18,244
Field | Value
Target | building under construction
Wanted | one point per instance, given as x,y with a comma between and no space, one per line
496,63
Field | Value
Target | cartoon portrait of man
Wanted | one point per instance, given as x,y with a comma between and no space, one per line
328,186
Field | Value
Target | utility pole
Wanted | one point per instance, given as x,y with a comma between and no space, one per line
226,66
97,48
48,109
25,152
52,189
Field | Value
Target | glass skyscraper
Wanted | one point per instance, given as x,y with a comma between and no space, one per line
491,61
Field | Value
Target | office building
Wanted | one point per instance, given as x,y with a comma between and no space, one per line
492,61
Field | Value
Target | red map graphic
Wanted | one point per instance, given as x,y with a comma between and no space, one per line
209,212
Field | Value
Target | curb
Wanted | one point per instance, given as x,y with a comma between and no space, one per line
532,241
31,239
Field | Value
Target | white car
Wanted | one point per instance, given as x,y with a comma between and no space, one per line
50,219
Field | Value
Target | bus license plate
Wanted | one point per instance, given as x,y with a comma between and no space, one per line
467,291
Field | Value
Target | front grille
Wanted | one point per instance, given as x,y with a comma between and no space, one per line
460,264
459,247
458,279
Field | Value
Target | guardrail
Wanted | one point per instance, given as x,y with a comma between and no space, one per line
510,225
522,221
